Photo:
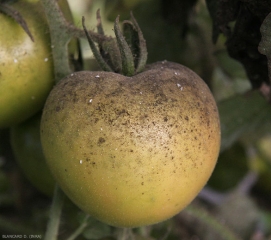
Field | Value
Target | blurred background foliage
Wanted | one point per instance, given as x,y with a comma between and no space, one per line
219,40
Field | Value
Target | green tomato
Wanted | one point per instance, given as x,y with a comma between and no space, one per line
131,151
26,146
26,67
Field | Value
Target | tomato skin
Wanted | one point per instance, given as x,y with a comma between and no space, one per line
26,67
131,151
26,146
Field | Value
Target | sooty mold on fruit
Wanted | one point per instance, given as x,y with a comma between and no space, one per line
159,127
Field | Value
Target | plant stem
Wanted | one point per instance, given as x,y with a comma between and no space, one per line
59,38
142,47
61,32
95,51
125,234
80,229
210,222
128,67
55,213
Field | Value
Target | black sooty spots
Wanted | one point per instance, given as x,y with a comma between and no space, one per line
101,141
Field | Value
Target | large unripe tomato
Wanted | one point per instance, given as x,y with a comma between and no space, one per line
131,151
26,67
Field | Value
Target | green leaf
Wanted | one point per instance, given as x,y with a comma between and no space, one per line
230,169
241,114
265,44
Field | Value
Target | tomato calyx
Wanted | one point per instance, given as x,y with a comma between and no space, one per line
125,54
15,15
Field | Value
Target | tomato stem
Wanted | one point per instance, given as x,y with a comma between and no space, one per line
113,55
128,67
117,55
55,214
210,221
59,38
95,51
80,229
137,42
125,234
141,46
108,47
99,24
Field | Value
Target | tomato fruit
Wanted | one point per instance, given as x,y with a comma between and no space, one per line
26,67
26,146
131,151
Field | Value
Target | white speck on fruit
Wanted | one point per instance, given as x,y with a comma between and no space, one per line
179,86
101,129
90,100
15,60
71,74
97,76
81,161
46,59
140,92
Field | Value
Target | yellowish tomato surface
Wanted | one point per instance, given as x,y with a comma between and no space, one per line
131,151
26,67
